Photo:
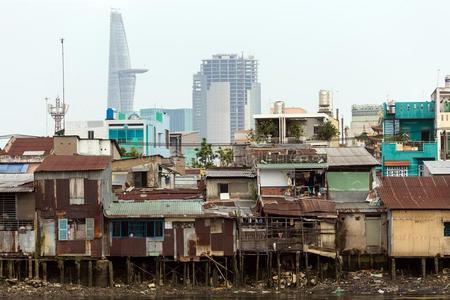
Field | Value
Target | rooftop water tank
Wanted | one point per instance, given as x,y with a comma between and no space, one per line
447,81
325,98
278,107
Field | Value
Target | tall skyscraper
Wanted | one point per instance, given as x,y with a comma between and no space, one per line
242,75
122,78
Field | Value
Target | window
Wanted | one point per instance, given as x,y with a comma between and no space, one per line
223,188
397,171
146,228
76,191
140,179
8,206
167,138
91,134
154,137
446,228
75,229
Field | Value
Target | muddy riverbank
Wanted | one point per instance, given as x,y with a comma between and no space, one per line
352,283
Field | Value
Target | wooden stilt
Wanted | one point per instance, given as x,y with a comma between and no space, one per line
174,278
242,270
207,273
278,270
185,273
30,267
163,271
78,266
215,277
424,267
306,266
257,266
349,263
61,270
36,268
371,261
44,271
236,272
158,271
359,262
10,269
90,273
393,269
1,267
194,282
128,267
111,274
436,265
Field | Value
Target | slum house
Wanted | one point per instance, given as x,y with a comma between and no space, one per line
152,171
230,183
71,192
162,235
290,171
17,205
18,161
418,213
361,223
288,228
189,179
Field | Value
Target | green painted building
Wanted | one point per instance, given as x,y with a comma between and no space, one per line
409,139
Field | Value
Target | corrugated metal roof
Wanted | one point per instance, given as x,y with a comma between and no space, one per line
293,166
222,173
155,209
231,208
441,167
20,145
415,192
396,163
62,163
349,156
13,168
298,207
13,183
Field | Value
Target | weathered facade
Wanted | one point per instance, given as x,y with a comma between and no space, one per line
229,183
71,192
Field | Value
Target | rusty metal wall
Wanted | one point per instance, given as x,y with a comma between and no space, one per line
91,192
135,247
71,247
168,244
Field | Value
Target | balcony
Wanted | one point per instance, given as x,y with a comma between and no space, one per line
410,110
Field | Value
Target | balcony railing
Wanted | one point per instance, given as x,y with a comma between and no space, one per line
16,225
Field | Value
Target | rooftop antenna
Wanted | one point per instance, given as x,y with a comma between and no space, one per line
438,73
59,110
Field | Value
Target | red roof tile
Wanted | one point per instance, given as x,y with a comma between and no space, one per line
19,145
415,192
61,163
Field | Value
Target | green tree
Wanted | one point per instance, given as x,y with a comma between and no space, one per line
205,156
133,152
266,128
327,131
296,131
225,156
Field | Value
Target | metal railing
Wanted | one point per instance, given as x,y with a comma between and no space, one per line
16,225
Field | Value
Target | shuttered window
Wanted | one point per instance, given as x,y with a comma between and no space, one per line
62,230
77,191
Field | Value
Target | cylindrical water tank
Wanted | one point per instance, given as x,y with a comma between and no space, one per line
447,81
325,98
278,107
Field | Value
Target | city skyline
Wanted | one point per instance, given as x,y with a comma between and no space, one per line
241,75
302,47
121,77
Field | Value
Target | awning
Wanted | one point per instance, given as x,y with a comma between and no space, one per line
394,163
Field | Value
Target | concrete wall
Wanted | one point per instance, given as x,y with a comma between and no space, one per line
273,178
218,113
356,233
238,188
418,233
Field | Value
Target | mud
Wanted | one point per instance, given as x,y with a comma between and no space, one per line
366,282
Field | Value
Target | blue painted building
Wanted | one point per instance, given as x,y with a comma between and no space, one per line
180,118
409,138
149,136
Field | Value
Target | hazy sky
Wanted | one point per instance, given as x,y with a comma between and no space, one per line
367,50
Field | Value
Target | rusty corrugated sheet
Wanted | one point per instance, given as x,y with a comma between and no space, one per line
20,145
67,163
142,194
91,192
297,207
49,195
128,247
70,247
180,241
168,243
62,193
415,192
